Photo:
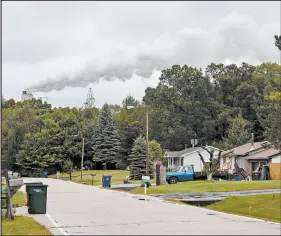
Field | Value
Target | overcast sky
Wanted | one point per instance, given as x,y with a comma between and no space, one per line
50,46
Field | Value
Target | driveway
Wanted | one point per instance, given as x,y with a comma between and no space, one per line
78,209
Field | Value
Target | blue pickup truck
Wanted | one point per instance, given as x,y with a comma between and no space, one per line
186,173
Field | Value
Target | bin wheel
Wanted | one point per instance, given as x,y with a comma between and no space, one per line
30,210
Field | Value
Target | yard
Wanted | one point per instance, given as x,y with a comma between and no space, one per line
117,177
18,199
22,225
265,206
208,186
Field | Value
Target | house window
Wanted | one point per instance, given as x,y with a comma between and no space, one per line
182,162
240,162
256,164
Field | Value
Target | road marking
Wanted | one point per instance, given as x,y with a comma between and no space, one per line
56,225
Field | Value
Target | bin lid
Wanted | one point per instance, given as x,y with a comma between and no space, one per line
33,183
37,185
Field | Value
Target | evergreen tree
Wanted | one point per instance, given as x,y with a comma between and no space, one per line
138,160
107,144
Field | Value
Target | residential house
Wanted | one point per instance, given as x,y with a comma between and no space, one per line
262,157
239,153
188,156
250,156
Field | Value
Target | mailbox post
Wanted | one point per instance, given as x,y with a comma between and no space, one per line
93,175
146,181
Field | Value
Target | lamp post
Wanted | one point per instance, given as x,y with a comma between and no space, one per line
147,149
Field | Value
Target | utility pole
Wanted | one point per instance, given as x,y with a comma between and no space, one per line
82,157
147,150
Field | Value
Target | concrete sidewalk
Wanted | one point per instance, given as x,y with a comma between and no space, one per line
86,210
44,219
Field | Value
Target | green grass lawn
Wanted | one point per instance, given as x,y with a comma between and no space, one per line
208,186
18,199
117,177
23,225
265,206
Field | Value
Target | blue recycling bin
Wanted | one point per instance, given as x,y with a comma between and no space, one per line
106,181
45,174
237,178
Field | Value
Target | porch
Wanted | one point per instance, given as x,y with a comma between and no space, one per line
173,163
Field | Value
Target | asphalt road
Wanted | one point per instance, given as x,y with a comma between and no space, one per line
77,209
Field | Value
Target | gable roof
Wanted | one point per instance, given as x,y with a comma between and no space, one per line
184,152
264,153
244,149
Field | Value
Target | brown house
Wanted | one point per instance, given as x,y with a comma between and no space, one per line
250,156
262,157
238,154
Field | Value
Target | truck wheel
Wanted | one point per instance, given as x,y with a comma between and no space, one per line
173,180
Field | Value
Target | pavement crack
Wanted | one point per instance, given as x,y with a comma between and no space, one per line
123,224
239,221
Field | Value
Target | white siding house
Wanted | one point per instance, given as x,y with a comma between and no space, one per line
189,156
276,159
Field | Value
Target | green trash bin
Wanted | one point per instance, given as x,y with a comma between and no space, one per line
30,184
37,198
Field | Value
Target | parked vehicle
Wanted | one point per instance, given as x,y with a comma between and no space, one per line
186,173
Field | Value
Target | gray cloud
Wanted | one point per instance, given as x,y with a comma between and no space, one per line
79,42
236,36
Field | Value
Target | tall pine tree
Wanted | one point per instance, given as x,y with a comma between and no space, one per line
138,160
107,144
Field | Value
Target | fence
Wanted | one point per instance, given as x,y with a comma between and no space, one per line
275,171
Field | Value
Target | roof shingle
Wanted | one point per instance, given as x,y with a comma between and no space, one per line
264,153
182,152
243,149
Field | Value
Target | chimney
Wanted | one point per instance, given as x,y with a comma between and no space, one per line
252,142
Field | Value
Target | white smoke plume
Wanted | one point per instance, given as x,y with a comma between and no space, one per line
236,38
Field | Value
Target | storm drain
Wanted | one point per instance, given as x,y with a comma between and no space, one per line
144,199
212,213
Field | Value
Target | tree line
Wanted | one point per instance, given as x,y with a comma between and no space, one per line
221,107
